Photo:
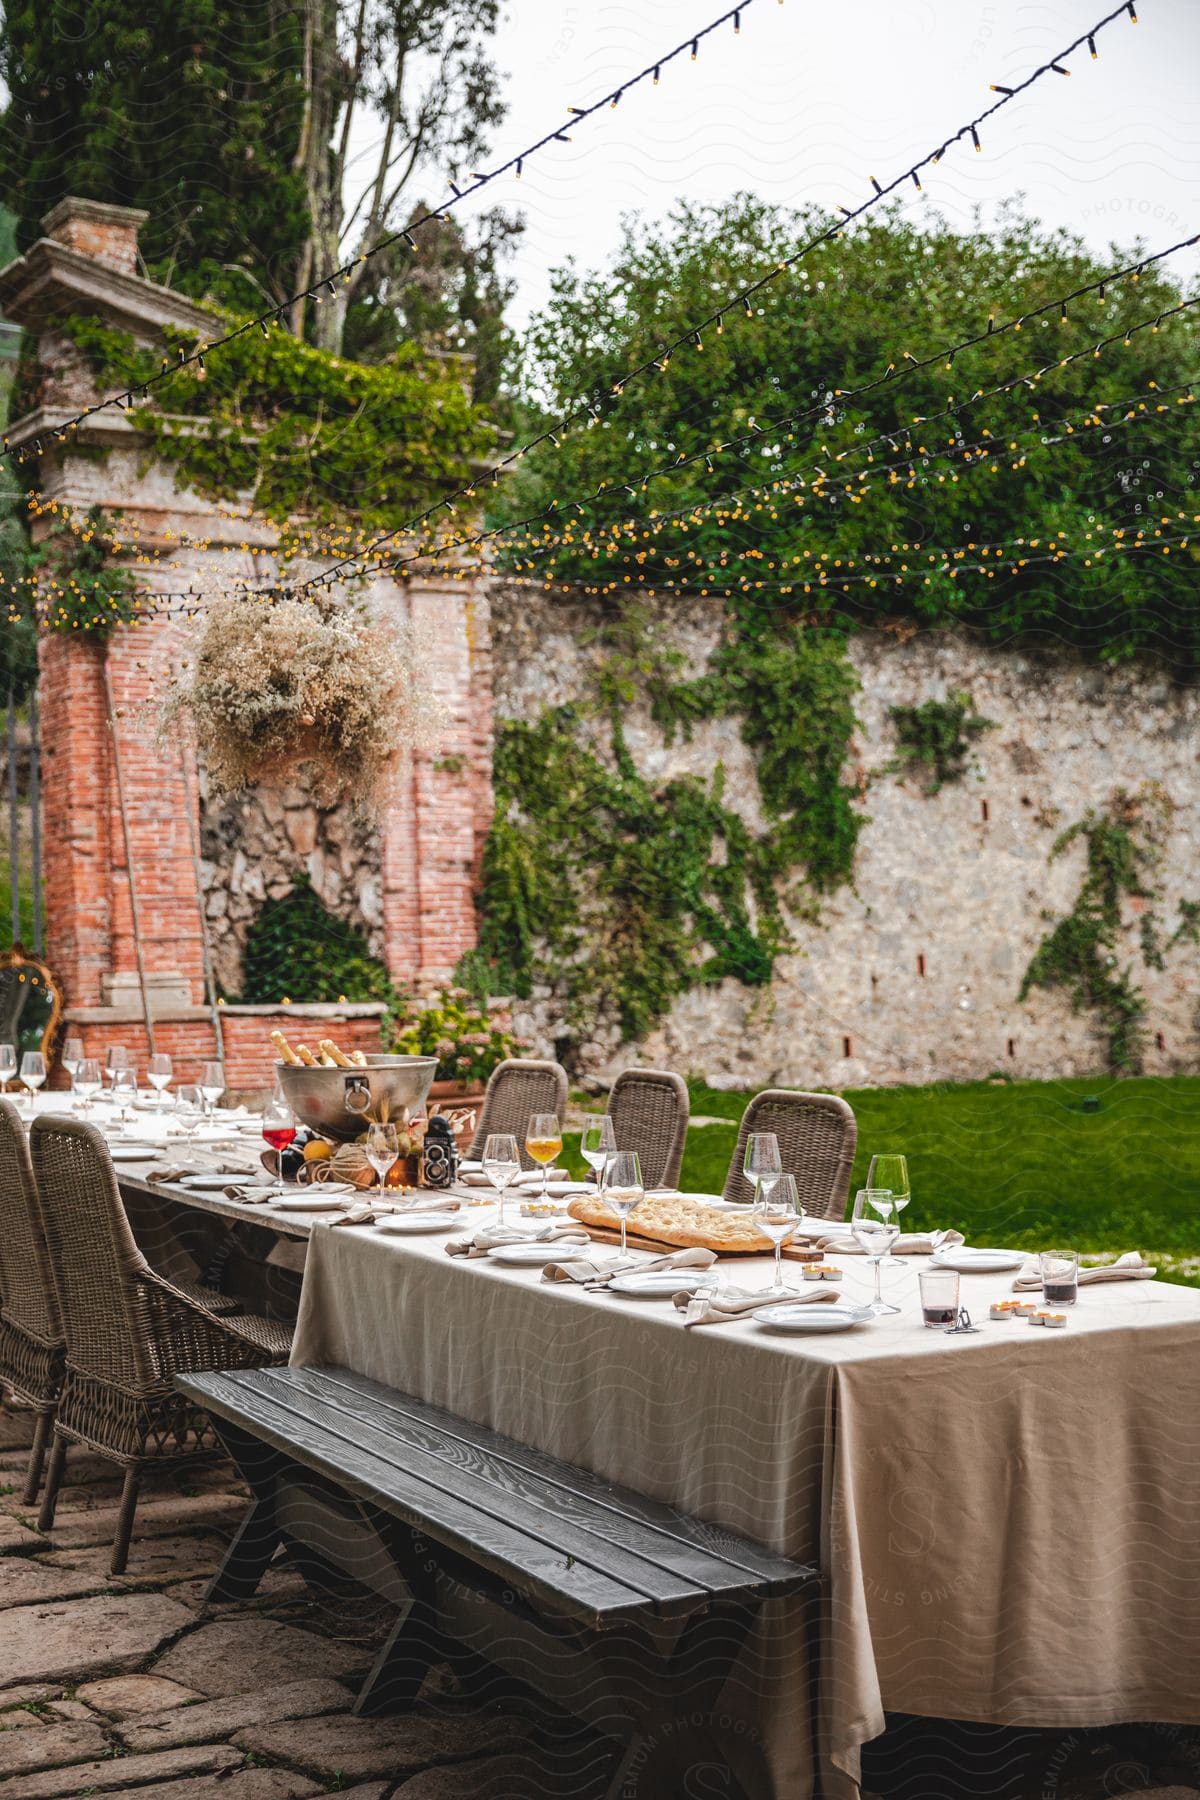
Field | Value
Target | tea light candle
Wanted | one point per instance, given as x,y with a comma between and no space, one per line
1055,1321
812,1271
1023,1309
1039,1318
825,1273
1002,1309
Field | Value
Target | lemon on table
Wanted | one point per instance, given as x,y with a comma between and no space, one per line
317,1150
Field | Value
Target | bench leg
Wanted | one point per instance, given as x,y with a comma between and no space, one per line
254,1544
413,1646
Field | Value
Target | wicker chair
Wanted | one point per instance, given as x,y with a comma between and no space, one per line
31,1335
128,1330
817,1134
518,1089
649,1112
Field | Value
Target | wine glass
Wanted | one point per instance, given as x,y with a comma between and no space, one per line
762,1166
383,1149
890,1171
87,1082
278,1129
158,1074
597,1141
33,1074
621,1186
212,1084
189,1109
124,1091
501,1163
543,1141
777,1214
72,1056
8,1063
875,1238
116,1057
880,1201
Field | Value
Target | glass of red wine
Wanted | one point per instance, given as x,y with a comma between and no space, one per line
939,1297
278,1129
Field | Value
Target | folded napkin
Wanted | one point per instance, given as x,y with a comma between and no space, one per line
1130,1267
491,1237
249,1196
598,1275
913,1243
726,1305
169,1174
361,1218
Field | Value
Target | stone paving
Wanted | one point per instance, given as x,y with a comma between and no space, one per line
135,1685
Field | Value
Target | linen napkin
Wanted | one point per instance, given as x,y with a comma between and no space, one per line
912,1243
1130,1267
598,1275
249,1196
492,1236
368,1215
727,1305
168,1174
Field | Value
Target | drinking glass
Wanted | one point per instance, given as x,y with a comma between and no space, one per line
597,1141
777,1215
212,1084
189,1109
622,1186
159,1074
880,1201
543,1141
278,1129
501,1163
124,1091
116,1057
762,1166
87,1082
383,1148
1060,1277
33,1074
875,1238
72,1056
8,1063
939,1297
890,1171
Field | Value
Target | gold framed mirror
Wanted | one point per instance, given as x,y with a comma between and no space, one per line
31,1004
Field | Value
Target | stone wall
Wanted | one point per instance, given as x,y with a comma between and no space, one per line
913,973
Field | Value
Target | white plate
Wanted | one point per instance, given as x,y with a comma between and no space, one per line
808,1315
307,1203
136,1153
422,1221
212,1184
529,1256
660,1284
978,1262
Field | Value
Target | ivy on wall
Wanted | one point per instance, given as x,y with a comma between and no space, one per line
1123,850
936,738
623,894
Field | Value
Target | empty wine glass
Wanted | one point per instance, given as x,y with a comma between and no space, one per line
543,1141
880,1201
777,1215
124,1091
212,1084
278,1129
890,1171
383,1149
87,1082
8,1063
158,1074
72,1056
189,1109
875,1238
597,1141
622,1186
501,1164
33,1074
762,1166
116,1057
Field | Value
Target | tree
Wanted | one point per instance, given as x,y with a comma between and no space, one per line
192,111
422,70
873,297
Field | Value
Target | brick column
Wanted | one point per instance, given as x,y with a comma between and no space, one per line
76,844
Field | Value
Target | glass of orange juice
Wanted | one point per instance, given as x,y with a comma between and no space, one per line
543,1141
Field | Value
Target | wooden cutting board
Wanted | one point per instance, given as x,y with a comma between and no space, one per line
600,1234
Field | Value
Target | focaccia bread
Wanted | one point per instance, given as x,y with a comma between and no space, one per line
689,1224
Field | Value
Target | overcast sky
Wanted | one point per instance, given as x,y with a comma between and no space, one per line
811,100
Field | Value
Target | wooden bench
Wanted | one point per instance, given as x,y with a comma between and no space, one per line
623,1612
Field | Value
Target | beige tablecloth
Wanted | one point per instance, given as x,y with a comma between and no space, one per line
1007,1522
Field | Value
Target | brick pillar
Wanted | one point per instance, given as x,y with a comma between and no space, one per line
76,846
433,834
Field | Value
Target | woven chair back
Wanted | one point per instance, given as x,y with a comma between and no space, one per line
649,1112
817,1134
518,1089
93,1254
27,1291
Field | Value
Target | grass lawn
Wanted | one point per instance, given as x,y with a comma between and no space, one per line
1021,1163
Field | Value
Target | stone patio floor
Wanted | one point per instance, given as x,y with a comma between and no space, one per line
134,1685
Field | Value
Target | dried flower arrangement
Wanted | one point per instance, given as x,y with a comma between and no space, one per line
277,683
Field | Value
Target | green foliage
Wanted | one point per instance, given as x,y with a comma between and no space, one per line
1123,844
191,110
468,1040
937,737
297,950
305,433
81,588
18,632
627,893
857,304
